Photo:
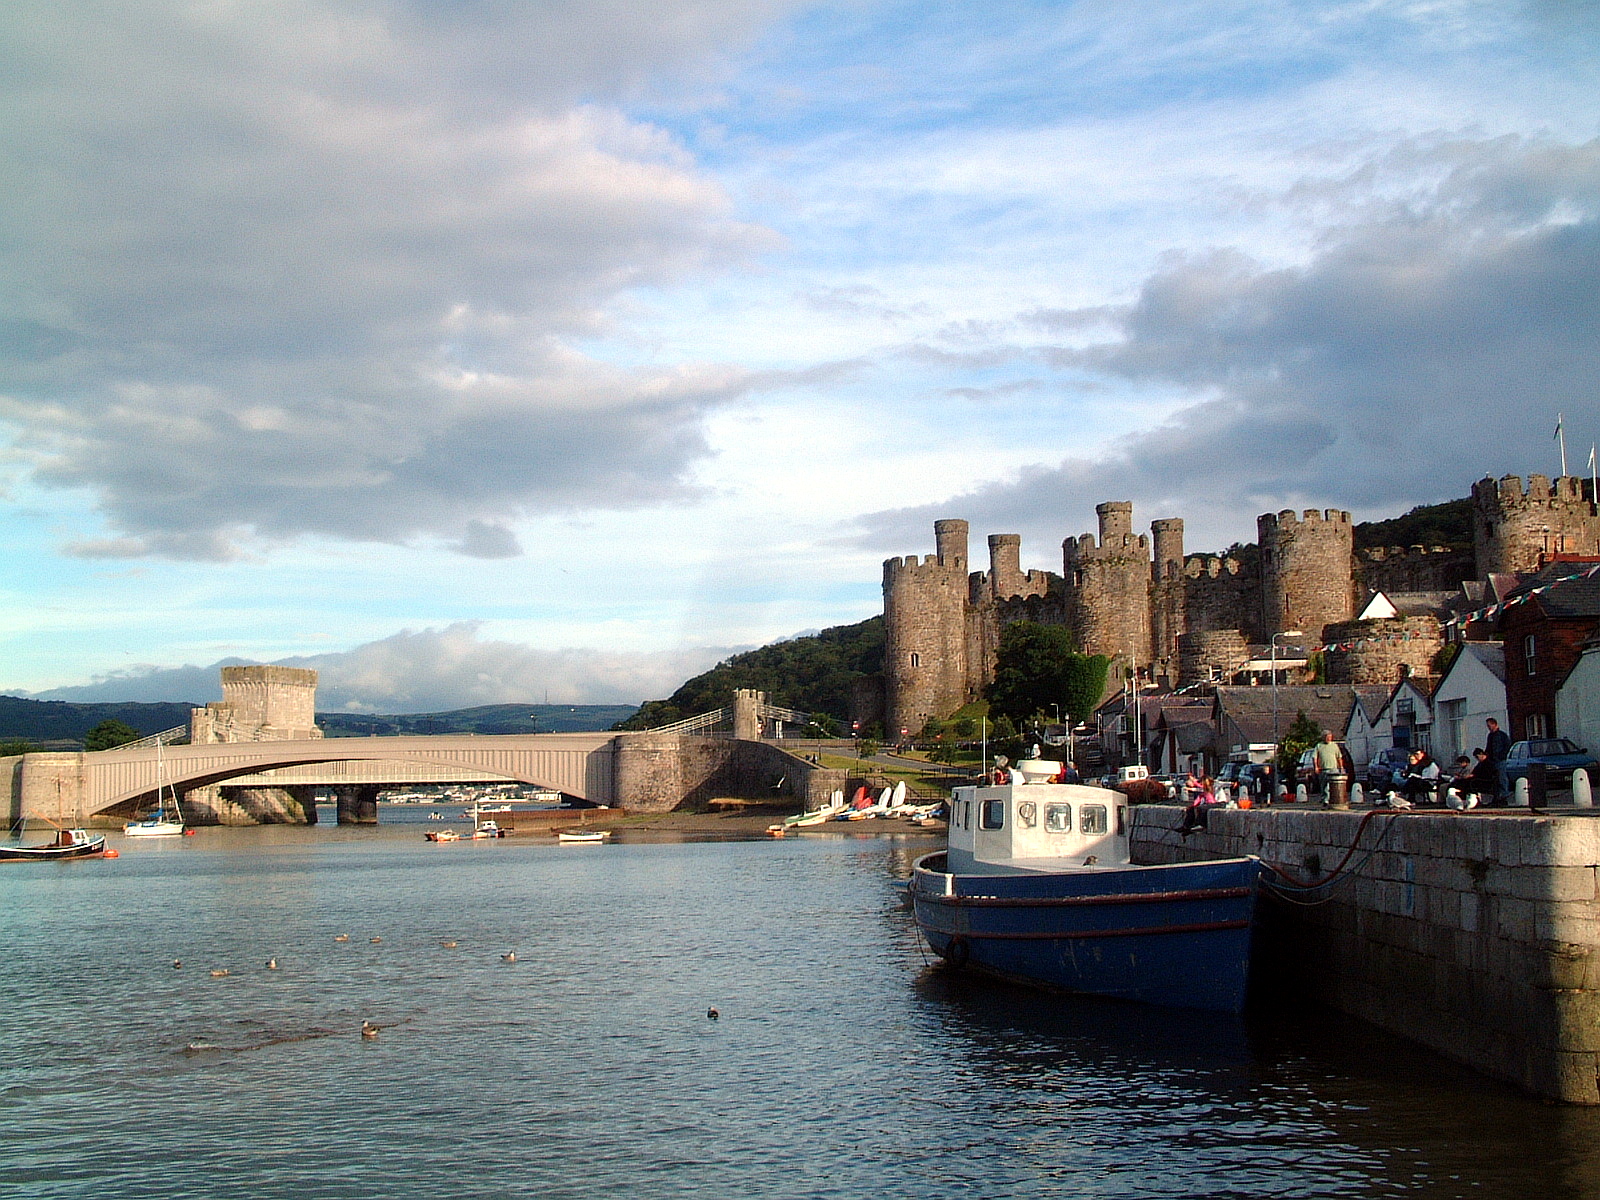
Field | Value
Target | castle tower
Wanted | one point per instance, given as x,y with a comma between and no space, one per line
1513,529
1108,586
1005,564
924,610
1166,595
259,704
1306,572
950,541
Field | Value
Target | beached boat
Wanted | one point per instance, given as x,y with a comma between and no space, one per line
1037,887
591,837
68,843
488,829
166,821
442,835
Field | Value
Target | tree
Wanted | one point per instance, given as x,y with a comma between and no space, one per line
1038,667
13,746
1297,739
109,733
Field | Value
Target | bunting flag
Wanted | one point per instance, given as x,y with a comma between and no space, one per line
1487,612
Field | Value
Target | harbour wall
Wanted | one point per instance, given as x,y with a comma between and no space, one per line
1477,935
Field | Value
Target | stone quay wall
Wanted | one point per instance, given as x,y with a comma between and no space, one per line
1476,935
662,772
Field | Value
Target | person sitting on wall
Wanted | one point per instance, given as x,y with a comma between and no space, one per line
1479,785
1421,780
1198,811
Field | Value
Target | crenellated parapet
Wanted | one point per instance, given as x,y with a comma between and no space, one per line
1516,527
1413,568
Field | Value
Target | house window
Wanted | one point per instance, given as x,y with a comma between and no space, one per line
1451,713
916,660
1538,727
1530,654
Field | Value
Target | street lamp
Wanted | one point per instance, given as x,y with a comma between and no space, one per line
1292,633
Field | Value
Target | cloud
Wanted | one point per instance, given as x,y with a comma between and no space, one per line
1430,340
324,269
431,670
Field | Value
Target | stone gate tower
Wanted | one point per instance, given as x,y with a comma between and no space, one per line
1306,580
1513,529
925,631
1108,586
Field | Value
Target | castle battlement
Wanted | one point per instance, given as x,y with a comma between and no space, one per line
1514,527
1211,565
1311,517
1393,553
1115,546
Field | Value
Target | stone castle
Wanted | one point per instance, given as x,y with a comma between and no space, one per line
1141,600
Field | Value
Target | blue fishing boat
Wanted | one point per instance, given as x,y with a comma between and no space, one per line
1037,887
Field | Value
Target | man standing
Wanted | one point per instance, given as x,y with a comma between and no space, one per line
1498,748
1329,761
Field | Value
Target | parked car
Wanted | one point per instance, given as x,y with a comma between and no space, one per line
1381,770
1255,778
1559,756
1228,774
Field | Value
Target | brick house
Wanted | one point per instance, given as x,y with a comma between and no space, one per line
1543,628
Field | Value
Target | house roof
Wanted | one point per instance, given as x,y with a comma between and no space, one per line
1563,590
1328,704
1491,654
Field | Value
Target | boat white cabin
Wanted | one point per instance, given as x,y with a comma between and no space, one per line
1035,826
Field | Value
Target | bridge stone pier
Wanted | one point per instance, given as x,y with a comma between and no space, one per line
649,772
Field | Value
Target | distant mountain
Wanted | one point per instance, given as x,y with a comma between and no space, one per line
61,724
812,674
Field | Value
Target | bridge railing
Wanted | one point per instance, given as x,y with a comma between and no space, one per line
693,724
165,738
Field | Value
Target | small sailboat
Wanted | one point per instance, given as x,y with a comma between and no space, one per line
166,821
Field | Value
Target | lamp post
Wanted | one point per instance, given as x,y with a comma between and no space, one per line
1294,633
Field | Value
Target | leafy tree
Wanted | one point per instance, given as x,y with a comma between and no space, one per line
868,748
814,674
110,732
14,746
1303,734
1038,667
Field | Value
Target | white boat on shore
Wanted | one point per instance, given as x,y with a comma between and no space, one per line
592,837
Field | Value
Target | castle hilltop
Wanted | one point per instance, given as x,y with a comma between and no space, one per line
1139,599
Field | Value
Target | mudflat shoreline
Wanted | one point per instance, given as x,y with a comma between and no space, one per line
735,822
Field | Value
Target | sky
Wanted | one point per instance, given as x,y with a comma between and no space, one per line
495,351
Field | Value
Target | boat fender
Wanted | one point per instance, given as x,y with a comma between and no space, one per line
957,953
112,854
1027,813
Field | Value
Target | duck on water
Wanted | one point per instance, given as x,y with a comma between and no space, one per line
1037,887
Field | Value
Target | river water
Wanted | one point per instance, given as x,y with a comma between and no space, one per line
842,1064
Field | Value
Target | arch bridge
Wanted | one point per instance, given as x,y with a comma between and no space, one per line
77,787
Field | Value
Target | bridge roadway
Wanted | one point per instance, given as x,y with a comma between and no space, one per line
76,787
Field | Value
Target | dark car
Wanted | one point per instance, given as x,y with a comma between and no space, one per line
1559,756
1381,770
1255,779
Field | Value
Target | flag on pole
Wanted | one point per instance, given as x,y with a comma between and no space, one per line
1559,417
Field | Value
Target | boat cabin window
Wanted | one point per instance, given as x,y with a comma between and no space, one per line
1093,819
992,814
1122,820
1058,818
966,814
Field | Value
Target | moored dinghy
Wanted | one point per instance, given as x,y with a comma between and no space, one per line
1037,887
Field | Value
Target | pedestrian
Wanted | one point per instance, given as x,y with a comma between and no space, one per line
1328,760
1498,748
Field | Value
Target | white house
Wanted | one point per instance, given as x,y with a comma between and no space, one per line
1578,700
1405,720
1360,733
1471,690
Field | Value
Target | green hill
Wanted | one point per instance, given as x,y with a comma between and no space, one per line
812,674
60,724
1447,524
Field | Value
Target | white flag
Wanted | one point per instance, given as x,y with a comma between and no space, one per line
1557,433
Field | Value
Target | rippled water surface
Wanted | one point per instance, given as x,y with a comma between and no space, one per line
841,1065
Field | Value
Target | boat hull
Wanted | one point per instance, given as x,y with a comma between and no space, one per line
93,848
1172,935
153,829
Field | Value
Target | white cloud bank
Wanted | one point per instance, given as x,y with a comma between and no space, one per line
317,269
